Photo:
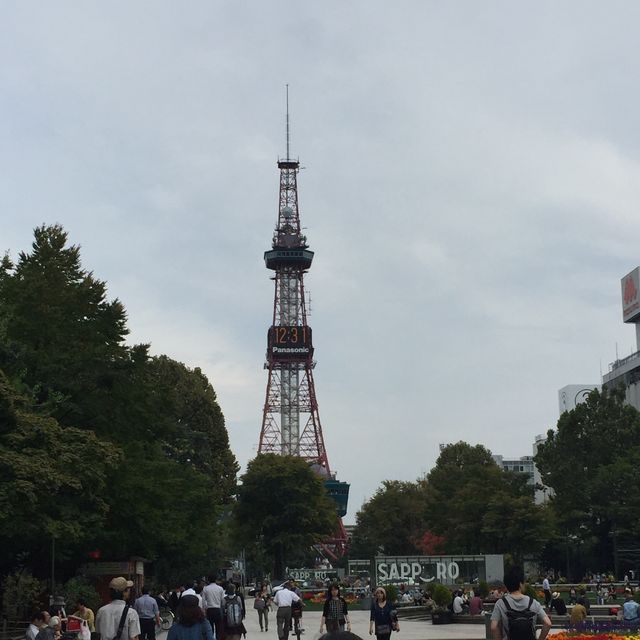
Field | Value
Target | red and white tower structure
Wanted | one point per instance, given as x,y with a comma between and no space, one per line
291,421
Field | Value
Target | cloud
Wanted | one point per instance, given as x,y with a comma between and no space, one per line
470,190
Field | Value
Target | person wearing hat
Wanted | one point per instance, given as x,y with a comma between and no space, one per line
117,620
558,604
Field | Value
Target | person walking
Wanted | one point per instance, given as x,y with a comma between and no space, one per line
191,623
117,620
149,614
212,596
261,605
283,599
233,614
514,615
382,618
335,612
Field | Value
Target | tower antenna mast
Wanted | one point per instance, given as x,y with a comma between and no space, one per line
288,122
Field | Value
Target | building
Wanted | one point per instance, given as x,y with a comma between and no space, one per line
517,465
625,372
572,395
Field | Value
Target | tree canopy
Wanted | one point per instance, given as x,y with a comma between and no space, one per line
591,462
104,444
282,509
465,504
392,521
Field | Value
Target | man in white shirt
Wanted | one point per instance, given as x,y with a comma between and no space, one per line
37,622
109,617
546,588
212,596
458,607
190,591
284,599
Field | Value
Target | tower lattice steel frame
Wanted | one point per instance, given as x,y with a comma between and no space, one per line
291,421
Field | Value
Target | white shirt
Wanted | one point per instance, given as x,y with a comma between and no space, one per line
285,597
457,604
108,621
545,585
191,592
212,596
32,632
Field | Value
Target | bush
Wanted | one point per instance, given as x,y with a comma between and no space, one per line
21,594
530,591
392,593
483,589
441,595
80,588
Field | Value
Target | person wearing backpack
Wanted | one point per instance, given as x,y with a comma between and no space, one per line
515,615
233,614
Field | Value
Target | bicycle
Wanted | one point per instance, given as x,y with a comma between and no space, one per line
296,618
166,619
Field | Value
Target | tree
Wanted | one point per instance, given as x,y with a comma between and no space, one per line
52,481
471,501
591,463
391,521
283,508
62,346
190,425
59,334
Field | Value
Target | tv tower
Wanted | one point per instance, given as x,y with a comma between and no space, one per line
290,420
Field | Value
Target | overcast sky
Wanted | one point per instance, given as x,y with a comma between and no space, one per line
471,192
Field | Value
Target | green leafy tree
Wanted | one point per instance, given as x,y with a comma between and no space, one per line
591,463
391,522
62,347
60,335
471,501
459,485
52,480
190,424
282,508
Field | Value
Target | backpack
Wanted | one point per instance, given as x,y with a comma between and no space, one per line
521,623
233,611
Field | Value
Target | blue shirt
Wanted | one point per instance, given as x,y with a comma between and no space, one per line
200,631
630,610
146,606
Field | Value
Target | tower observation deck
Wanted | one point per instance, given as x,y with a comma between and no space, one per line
291,421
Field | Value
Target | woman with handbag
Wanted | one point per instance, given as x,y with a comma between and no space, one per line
383,616
261,605
335,613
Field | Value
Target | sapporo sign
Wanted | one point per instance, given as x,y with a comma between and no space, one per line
304,575
444,569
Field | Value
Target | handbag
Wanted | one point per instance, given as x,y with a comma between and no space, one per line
259,603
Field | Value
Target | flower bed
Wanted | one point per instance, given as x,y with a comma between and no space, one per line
602,630
573,635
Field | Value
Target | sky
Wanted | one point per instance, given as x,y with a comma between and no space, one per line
470,188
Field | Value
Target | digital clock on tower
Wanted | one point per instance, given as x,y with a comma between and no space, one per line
290,342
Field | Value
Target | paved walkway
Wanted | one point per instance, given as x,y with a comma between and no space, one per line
409,629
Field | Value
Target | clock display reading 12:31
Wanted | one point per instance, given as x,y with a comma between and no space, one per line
290,342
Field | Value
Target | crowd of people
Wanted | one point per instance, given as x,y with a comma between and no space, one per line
215,610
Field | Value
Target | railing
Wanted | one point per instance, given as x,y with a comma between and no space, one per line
622,361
